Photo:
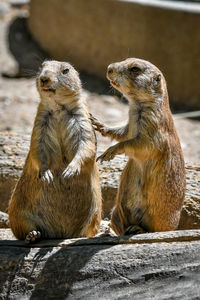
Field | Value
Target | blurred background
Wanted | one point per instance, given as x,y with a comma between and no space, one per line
91,34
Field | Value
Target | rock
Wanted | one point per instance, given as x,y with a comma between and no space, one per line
92,34
148,266
190,216
105,229
4,8
4,222
13,150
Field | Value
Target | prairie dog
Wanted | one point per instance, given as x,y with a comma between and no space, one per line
152,185
58,194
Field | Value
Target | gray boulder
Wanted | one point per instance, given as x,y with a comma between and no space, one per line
147,266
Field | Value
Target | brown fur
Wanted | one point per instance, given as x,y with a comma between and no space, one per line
59,192
152,185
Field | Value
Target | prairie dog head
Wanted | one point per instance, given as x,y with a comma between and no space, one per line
58,81
136,79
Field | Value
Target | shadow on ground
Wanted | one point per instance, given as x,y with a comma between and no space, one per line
48,271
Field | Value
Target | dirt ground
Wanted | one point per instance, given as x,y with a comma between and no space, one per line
19,97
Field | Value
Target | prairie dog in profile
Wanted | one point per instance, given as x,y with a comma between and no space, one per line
152,185
58,194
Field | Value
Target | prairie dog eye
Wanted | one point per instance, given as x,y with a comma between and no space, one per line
134,69
65,71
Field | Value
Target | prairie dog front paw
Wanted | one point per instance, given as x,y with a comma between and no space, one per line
71,170
108,154
46,175
98,126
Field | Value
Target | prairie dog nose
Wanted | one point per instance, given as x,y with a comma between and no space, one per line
110,70
44,80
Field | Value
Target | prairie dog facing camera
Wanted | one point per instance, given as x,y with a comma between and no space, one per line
58,194
152,185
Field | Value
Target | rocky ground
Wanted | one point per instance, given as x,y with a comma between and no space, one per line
19,97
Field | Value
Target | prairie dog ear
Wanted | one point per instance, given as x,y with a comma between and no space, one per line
156,80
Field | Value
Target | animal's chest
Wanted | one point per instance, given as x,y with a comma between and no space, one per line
62,131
